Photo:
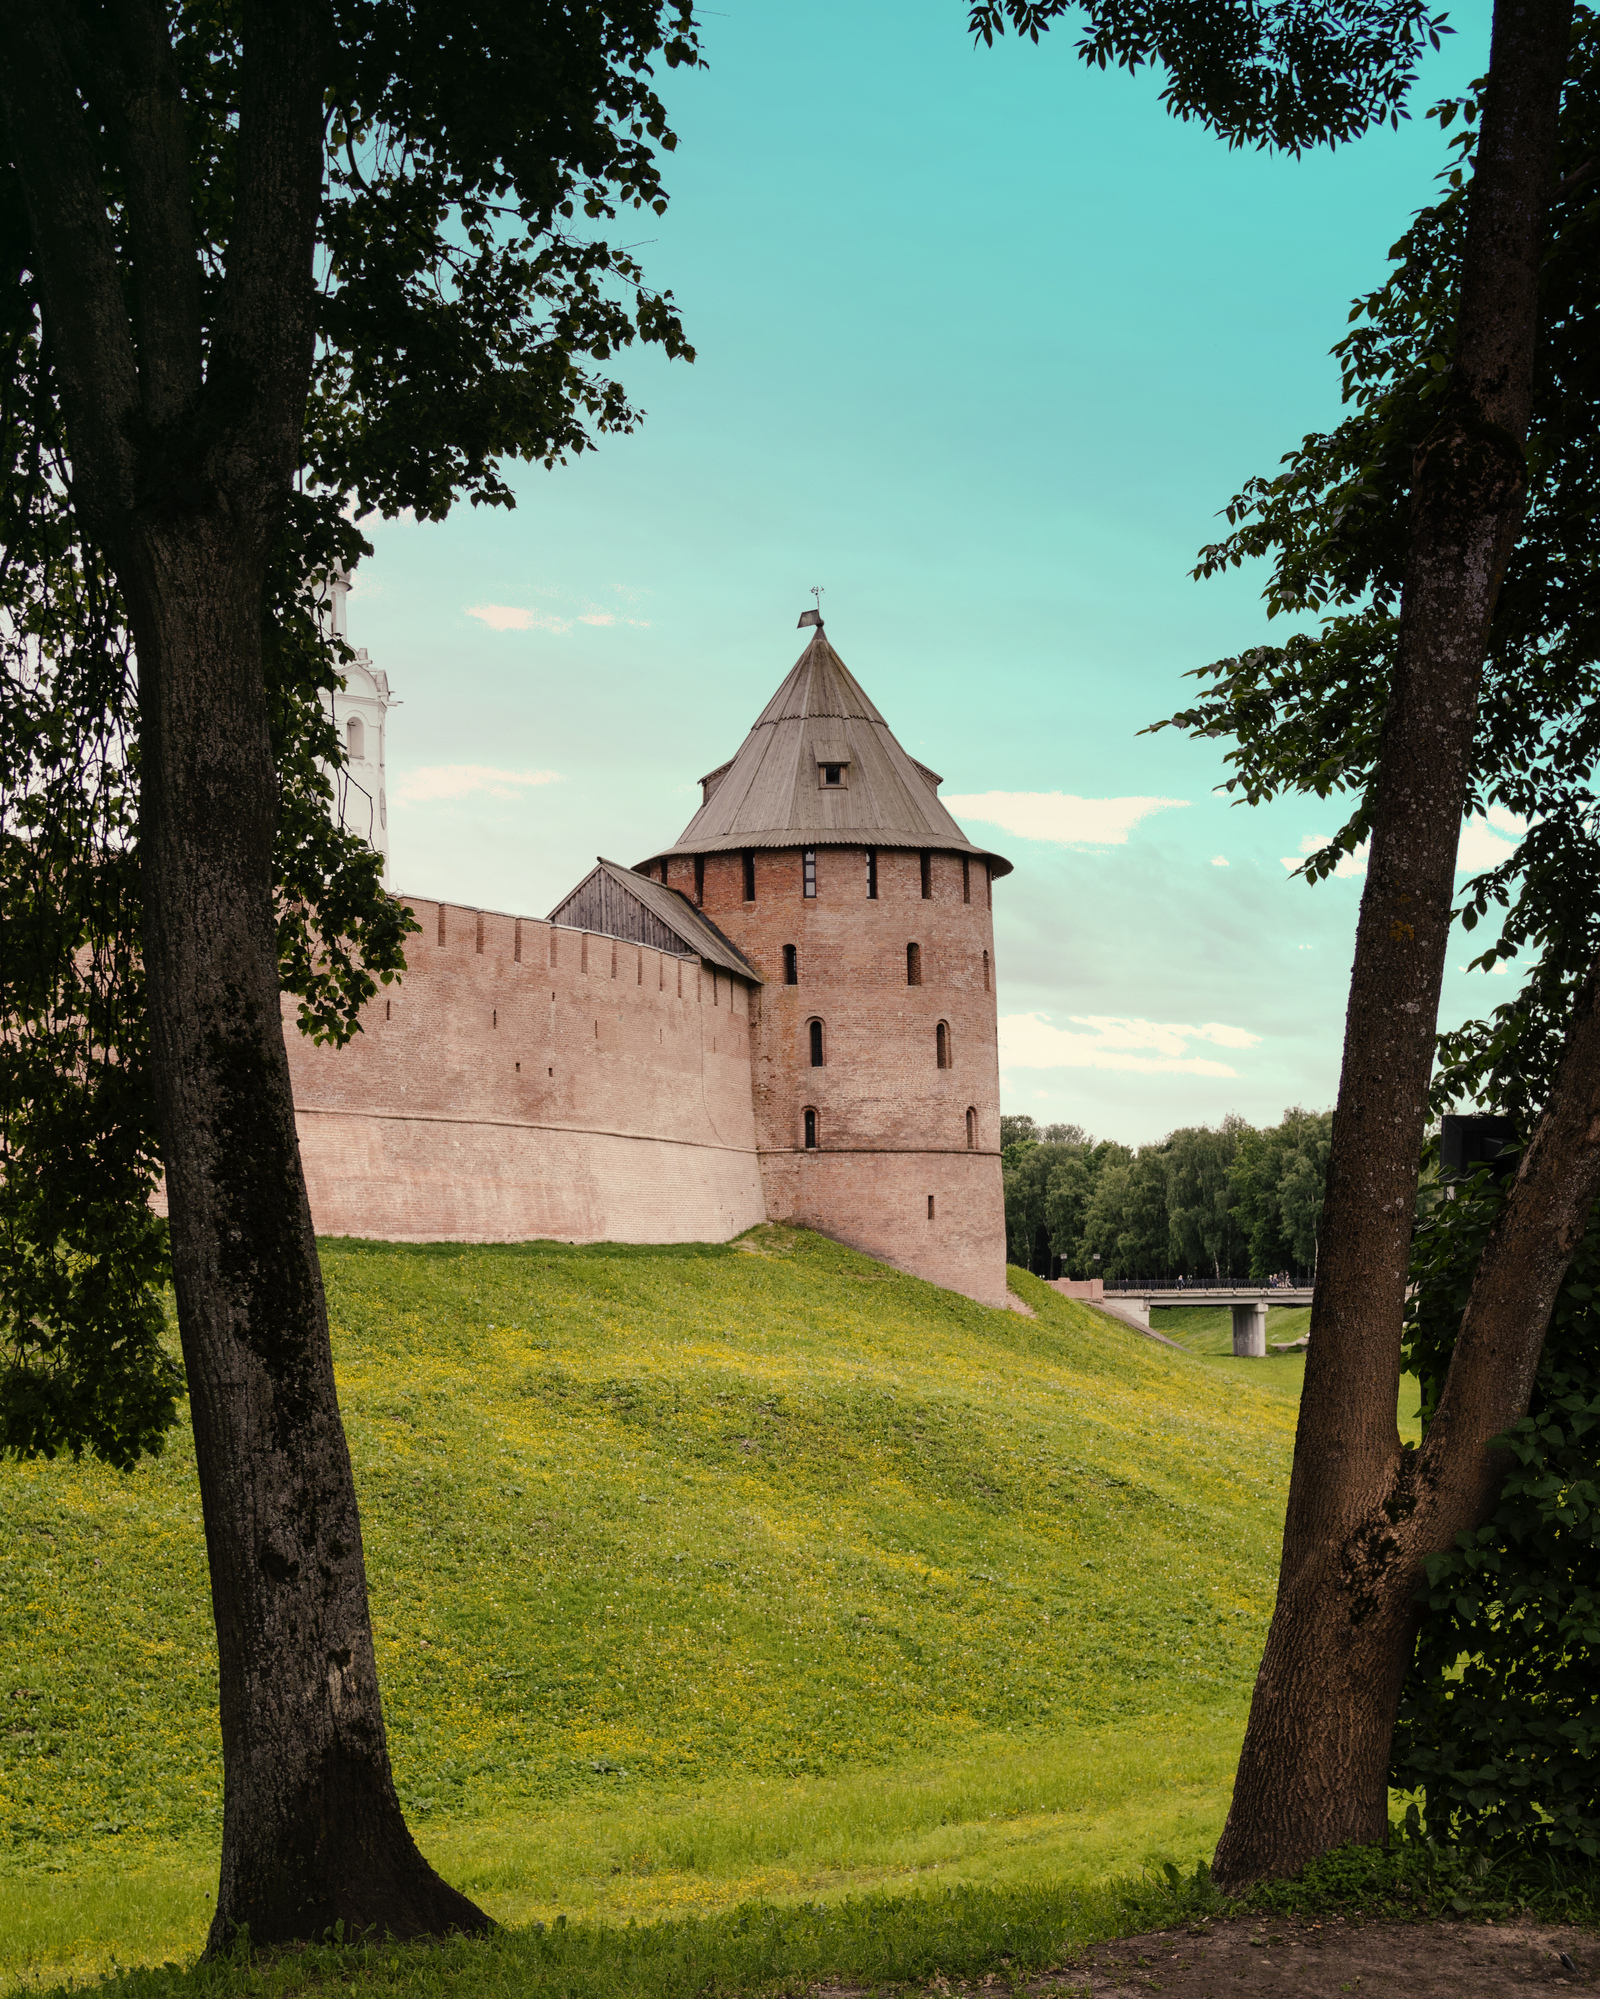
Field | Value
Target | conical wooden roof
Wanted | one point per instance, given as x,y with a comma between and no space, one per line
771,793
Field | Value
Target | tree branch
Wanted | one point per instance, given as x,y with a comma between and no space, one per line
74,257
133,83
1505,212
1491,1376
264,338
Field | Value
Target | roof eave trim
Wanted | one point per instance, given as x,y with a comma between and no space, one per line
848,836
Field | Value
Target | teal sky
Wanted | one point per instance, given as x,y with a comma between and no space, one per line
985,341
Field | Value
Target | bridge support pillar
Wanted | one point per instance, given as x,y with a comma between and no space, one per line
1250,1330
1135,1308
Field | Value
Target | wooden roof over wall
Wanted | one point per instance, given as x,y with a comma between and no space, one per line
613,901
769,795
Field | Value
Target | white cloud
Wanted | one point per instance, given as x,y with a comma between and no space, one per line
517,618
1060,815
501,617
434,782
1147,1047
1485,843
1219,860
1350,865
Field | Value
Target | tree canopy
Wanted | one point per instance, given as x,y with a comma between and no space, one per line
1283,73
468,301
1225,1202
1306,715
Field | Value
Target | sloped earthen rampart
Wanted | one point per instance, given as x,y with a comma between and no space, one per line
526,1080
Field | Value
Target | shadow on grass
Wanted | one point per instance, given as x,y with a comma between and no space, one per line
875,1943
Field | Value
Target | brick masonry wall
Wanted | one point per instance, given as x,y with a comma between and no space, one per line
892,1125
523,1081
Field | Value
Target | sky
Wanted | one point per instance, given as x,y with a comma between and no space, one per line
985,340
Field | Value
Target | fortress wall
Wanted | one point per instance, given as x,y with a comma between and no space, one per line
878,1202
892,1125
527,1080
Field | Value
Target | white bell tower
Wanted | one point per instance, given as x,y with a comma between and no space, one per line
360,711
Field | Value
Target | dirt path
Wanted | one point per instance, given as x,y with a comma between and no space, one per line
1299,1957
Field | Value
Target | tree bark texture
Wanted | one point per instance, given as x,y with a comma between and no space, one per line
1364,1514
180,471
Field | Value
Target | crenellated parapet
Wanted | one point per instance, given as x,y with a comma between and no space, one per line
527,1079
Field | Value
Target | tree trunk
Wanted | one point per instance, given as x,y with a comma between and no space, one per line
183,457
1363,1514
312,1829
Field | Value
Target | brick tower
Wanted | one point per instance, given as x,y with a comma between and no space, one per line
822,851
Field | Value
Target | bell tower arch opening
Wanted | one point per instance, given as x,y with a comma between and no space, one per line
359,712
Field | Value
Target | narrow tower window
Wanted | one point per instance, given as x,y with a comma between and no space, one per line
986,971
699,877
927,875
930,1207
913,964
966,879
749,877
816,1044
811,1131
988,885
941,1042
791,965
972,1129
355,737
872,874
809,859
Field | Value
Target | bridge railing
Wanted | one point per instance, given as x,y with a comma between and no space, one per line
1113,1284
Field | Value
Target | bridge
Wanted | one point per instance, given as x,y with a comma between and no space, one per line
1249,1303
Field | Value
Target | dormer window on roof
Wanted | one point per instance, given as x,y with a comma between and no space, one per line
833,763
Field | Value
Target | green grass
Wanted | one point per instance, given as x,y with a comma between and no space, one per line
697,1575
1207,1330
881,1943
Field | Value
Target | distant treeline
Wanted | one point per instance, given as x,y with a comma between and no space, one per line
1231,1203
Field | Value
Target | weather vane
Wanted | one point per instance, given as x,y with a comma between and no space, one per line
813,617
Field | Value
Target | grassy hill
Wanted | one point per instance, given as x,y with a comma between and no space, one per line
1207,1330
696,1573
